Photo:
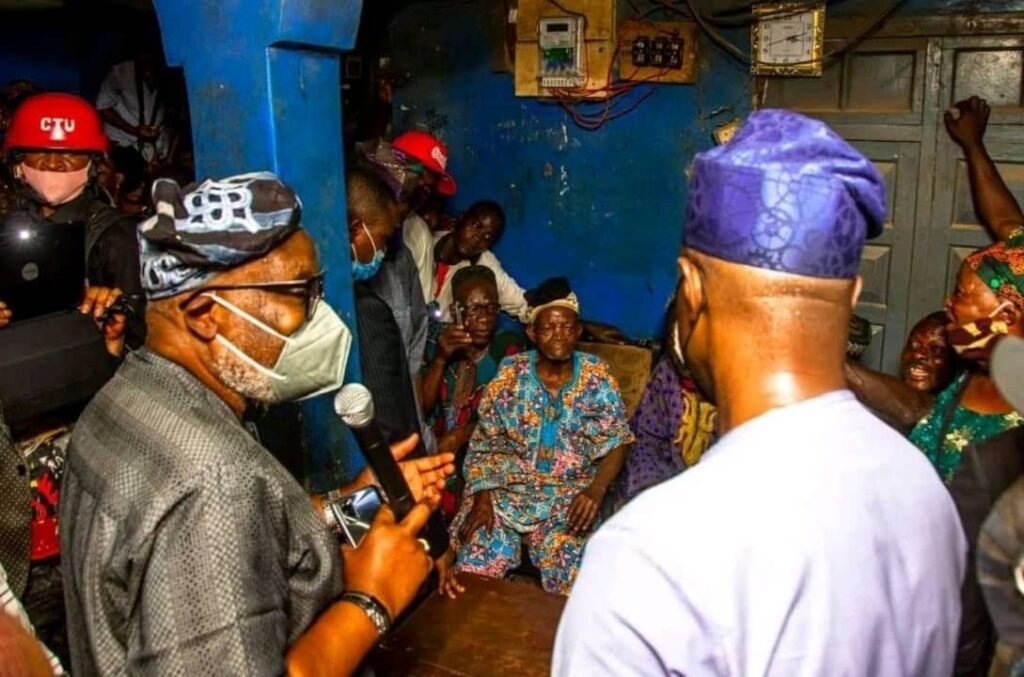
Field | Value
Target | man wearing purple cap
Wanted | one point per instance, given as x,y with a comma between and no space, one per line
812,539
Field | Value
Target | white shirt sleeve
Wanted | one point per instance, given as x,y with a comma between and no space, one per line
419,239
511,296
110,90
625,616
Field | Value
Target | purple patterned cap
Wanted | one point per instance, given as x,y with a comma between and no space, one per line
786,194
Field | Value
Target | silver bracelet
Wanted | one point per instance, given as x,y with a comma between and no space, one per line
372,607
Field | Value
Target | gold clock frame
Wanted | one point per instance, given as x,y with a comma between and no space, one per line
810,68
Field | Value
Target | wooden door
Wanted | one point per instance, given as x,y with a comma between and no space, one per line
876,98
992,68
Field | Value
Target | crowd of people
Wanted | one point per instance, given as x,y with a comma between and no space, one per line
767,508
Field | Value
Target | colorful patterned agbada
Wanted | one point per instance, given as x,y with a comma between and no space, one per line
536,453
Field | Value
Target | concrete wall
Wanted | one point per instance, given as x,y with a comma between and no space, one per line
604,208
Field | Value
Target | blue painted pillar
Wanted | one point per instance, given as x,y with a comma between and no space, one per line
264,93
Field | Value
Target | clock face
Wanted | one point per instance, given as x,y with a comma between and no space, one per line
788,39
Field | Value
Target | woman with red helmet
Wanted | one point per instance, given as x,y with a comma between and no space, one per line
51,150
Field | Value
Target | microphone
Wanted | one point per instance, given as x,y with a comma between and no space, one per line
354,405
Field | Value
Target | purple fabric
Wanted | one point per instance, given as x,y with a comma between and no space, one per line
655,457
786,194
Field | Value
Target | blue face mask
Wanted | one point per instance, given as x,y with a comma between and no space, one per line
365,271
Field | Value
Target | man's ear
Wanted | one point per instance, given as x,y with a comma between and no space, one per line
531,334
118,182
858,287
199,319
579,330
691,288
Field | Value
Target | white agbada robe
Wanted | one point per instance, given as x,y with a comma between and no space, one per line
813,540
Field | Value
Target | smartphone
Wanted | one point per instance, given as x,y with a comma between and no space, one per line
355,513
458,313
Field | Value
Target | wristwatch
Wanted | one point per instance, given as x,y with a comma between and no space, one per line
372,607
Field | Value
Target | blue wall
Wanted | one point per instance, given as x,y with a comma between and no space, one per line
39,46
71,50
604,208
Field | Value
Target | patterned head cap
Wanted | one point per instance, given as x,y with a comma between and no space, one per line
211,228
786,194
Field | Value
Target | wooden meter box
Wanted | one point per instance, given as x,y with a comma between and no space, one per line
570,48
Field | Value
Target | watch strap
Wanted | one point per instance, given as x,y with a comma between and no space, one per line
372,607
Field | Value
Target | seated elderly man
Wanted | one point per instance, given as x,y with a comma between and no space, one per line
551,437
188,549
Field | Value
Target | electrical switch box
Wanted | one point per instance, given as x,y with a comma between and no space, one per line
658,51
561,52
641,51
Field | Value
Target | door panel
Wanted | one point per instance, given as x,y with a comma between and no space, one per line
885,264
992,68
874,97
887,98
881,83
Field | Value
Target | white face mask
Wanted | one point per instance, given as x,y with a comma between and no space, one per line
56,188
313,359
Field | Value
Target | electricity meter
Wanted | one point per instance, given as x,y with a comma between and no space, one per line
561,52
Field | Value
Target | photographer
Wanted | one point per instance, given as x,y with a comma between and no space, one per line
188,548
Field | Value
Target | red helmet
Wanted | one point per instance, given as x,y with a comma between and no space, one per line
56,122
433,154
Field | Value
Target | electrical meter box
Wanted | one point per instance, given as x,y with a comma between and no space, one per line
560,42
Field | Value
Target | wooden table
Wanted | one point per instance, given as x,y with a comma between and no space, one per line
494,628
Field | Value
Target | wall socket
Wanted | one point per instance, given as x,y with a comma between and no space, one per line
723,133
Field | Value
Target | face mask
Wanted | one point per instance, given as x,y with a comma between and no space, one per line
972,340
365,271
313,359
56,188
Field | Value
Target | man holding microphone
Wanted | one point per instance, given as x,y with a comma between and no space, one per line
189,549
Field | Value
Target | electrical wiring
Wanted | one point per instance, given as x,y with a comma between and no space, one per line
586,111
568,11
576,101
848,45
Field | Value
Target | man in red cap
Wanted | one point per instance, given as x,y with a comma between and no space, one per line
432,157
52,149
476,230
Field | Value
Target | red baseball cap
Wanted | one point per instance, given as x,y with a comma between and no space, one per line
56,122
431,153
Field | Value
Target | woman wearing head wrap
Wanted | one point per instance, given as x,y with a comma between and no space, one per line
968,430
988,303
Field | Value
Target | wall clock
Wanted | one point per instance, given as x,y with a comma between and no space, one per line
788,38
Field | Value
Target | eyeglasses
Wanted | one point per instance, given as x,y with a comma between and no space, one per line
481,310
312,290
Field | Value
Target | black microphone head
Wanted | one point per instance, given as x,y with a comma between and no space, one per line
354,404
